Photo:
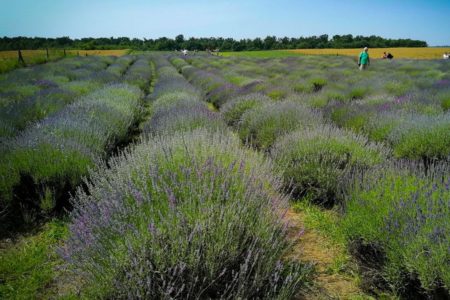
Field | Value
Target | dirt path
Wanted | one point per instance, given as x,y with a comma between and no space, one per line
314,247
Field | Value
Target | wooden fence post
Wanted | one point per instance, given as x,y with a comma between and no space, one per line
20,59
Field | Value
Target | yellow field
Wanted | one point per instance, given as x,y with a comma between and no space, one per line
413,53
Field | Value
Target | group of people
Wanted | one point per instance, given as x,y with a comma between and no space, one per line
364,59
387,55
213,52
185,52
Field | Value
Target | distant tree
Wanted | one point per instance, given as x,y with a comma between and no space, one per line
164,43
179,41
270,42
257,44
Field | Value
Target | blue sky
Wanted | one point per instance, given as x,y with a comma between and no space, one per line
427,20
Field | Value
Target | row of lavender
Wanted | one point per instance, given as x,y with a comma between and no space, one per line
400,208
403,104
46,161
34,93
186,213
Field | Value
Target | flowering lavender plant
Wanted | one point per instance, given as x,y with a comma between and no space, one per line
191,215
316,161
47,160
407,213
261,125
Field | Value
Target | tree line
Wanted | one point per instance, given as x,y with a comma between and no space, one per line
224,44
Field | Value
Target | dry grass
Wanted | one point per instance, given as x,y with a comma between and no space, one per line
314,247
9,59
100,52
42,53
412,53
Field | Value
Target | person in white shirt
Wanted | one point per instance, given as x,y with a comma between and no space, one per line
446,56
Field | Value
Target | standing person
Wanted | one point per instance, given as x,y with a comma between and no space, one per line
364,60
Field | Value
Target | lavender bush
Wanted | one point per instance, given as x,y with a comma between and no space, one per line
422,137
178,63
178,106
54,91
233,110
217,90
260,126
184,116
120,65
139,74
444,99
192,215
42,164
316,161
171,82
406,213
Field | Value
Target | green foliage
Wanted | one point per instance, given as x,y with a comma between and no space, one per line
406,214
445,103
350,116
358,93
7,64
398,88
326,221
197,202
183,117
314,84
422,137
225,44
10,63
179,63
318,161
261,125
277,94
170,100
301,87
317,83
29,267
444,99
81,87
65,169
233,110
18,90
50,158
378,130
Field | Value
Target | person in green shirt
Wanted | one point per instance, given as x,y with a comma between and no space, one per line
364,60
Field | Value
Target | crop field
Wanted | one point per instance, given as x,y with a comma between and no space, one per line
406,53
160,176
410,53
9,59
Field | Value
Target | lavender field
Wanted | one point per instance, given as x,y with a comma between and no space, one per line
160,176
